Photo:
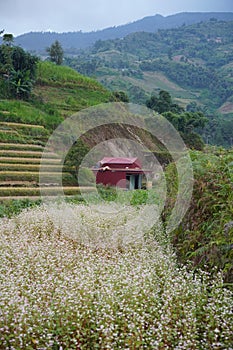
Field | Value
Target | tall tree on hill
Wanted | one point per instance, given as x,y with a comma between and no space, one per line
56,52
8,39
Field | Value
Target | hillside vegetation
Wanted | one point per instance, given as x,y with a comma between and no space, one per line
25,127
205,237
66,90
192,62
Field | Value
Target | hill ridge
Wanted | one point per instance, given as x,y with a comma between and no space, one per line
38,41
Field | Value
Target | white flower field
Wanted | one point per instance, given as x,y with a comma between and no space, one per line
75,284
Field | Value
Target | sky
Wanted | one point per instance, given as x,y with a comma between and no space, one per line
22,16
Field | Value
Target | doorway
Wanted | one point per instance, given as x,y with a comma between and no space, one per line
134,181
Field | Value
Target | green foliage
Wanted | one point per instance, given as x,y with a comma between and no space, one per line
163,103
218,131
65,91
194,76
12,207
184,122
107,193
17,69
120,96
8,39
192,62
56,53
139,197
76,154
50,74
205,235
193,140
85,66
86,177
67,178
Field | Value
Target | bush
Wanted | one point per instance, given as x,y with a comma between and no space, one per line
205,236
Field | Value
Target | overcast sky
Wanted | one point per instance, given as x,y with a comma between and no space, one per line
21,16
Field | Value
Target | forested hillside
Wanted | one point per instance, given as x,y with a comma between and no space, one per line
194,63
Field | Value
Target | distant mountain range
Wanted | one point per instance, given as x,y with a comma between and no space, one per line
194,63
38,41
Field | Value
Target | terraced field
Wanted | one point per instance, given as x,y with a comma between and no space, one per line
20,156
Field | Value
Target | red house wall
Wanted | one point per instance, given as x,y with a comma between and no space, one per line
111,178
113,171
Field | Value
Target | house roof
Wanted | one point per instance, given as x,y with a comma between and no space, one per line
117,160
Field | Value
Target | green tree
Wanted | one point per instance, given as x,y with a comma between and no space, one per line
163,103
119,96
185,122
8,39
56,52
17,71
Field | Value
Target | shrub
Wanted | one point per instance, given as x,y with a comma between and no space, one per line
205,235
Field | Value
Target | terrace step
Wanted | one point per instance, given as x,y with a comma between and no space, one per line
18,183
36,191
27,154
31,167
8,131
34,176
21,151
31,184
21,146
32,198
13,136
21,125
24,160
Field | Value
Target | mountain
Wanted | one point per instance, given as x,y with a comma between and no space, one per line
193,63
72,41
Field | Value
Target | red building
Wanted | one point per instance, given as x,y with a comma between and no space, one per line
121,172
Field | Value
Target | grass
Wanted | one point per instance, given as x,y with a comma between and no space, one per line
21,125
67,91
35,191
22,147
25,160
71,280
205,237
151,82
14,137
53,75
12,207
28,113
68,179
33,167
18,153
20,163
59,92
26,154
